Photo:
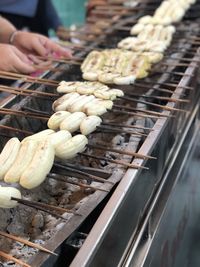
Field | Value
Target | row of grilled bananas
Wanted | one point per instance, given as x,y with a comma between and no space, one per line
115,66
28,162
90,105
167,13
72,122
152,38
97,89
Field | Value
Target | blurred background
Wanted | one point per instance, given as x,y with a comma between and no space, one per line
71,11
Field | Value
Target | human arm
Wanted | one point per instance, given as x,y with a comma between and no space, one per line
6,30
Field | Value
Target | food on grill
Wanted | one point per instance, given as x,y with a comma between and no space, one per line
59,137
6,193
89,124
23,159
78,105
95,108
63,102
72,147
90,88
72,122
40,165
8,155
55,120
118,67
39,136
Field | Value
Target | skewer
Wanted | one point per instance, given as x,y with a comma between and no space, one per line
60,60
154,105
21,114
159,98
123,152
26,242
37,206
120,130
170,72
120,162
11,258
156,89
65,179
175,85
90,176
127,126
15,129
159,114
137,114
154,113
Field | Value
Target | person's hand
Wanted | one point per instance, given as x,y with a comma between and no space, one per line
37,44
11,59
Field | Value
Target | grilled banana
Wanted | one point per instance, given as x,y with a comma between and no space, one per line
41,164
72,147
39,136
95,108
89,124
72,123
55,120
63,102
67,87
8,155
23,159
59,137
79,104
6,194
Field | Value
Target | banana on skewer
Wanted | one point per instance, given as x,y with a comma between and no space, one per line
41,164
6,193
21,162
62,103
39,136
59,138
55,120
89,124
79,104
8,155
72,123
72,147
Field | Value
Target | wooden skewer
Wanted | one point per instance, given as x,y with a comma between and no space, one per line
136,114
159,114
171,72
155,105
60,60
159,98
120,130
38,207
21,114
11,258
65,179
124,152
127,126
26,242
90,176
15,129
120,162
164,83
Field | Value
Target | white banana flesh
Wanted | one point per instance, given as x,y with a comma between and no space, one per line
56,119
72,123
39,167
89,124
59,137
8,155
72,147
79,104
95,108
39,136
62,103
23,159
6,194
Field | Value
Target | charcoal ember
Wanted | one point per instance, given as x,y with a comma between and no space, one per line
38,220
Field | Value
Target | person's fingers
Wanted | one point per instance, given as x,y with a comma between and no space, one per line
21,66
55,49
22,56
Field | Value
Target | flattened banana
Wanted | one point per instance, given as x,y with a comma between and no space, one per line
62,102
41,164
56,119
39,136
8,155
72,123
6,193
59,137
23,159
72,147
89,124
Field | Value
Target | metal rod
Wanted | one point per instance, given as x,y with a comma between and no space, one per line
29,204
120,162
11,258
65,179
119,151
26,242
90,176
